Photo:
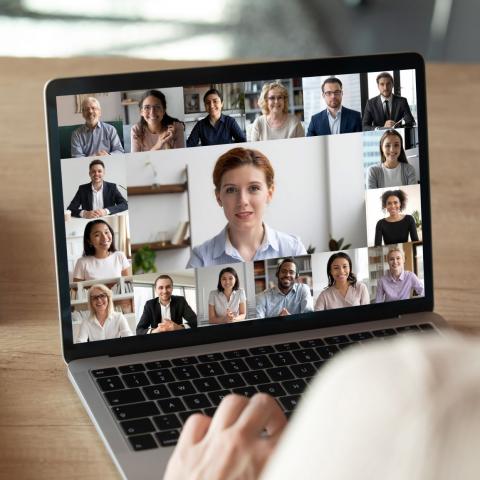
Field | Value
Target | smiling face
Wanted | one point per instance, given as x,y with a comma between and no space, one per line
385,86
98,300
286,276
100,238
91,112
213,106
393,205
227,280
152,111
396,262
275,101
244,195
96,174
163,290
340,270
391,148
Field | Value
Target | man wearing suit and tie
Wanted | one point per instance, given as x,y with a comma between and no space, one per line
387,110
165,312
97,198
335,118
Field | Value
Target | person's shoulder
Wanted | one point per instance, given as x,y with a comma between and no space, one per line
288,243
319,115
136,128
350,111
80,129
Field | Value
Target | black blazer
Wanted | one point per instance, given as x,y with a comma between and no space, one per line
152,314
83,199
374,115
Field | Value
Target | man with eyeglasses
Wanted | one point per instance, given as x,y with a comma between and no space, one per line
335,118
95,137
288,296
386,110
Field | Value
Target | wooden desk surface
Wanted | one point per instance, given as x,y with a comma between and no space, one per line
44,430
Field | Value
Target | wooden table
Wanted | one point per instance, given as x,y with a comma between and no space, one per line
44,431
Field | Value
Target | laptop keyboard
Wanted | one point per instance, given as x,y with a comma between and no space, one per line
151,401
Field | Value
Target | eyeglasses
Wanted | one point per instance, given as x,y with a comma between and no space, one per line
149,108
100,296
272,98
329,93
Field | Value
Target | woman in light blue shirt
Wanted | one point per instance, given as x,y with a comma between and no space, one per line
244,186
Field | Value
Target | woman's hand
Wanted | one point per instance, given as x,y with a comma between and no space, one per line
235,444
164,138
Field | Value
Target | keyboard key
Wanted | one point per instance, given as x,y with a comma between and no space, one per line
408,328
208,384
136,410
210,412
334,340
171,405
180,362
135,427
160,376
167,422
120,397
304,370
262,350
259,362
296,386
210,357
184,415
255,377
199,400
137,367
328,351
290,403
344,346
231,380
135,380
312,343
210,369
142,442
274,389
168,438
233,366
110,383
426,327
245,391
158,364
317,365
305,355
280,359
357,337
104,372
184,387
384,332
236,354
286,347
217,397
185,373
279,373
157,392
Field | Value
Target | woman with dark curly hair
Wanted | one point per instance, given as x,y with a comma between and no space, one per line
343,289
397,227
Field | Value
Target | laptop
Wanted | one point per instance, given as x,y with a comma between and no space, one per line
232,228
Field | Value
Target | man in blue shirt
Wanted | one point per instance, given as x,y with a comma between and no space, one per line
335,118
216,128
287,297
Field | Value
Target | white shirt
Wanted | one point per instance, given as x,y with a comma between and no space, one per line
220,302
115,326
165,309
90,268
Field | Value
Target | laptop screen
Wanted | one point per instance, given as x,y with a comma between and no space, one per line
198,205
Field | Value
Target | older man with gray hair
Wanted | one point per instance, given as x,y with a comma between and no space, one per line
95,137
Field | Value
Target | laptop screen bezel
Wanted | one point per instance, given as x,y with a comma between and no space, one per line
225,74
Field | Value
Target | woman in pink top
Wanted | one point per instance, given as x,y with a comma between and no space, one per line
156,130
343,289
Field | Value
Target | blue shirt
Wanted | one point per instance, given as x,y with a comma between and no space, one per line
86,141
218,250
271,301
334,122
226,130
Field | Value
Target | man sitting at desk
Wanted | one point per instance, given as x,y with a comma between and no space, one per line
386,110
287,297
95,137
97,198
335,118
165,312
